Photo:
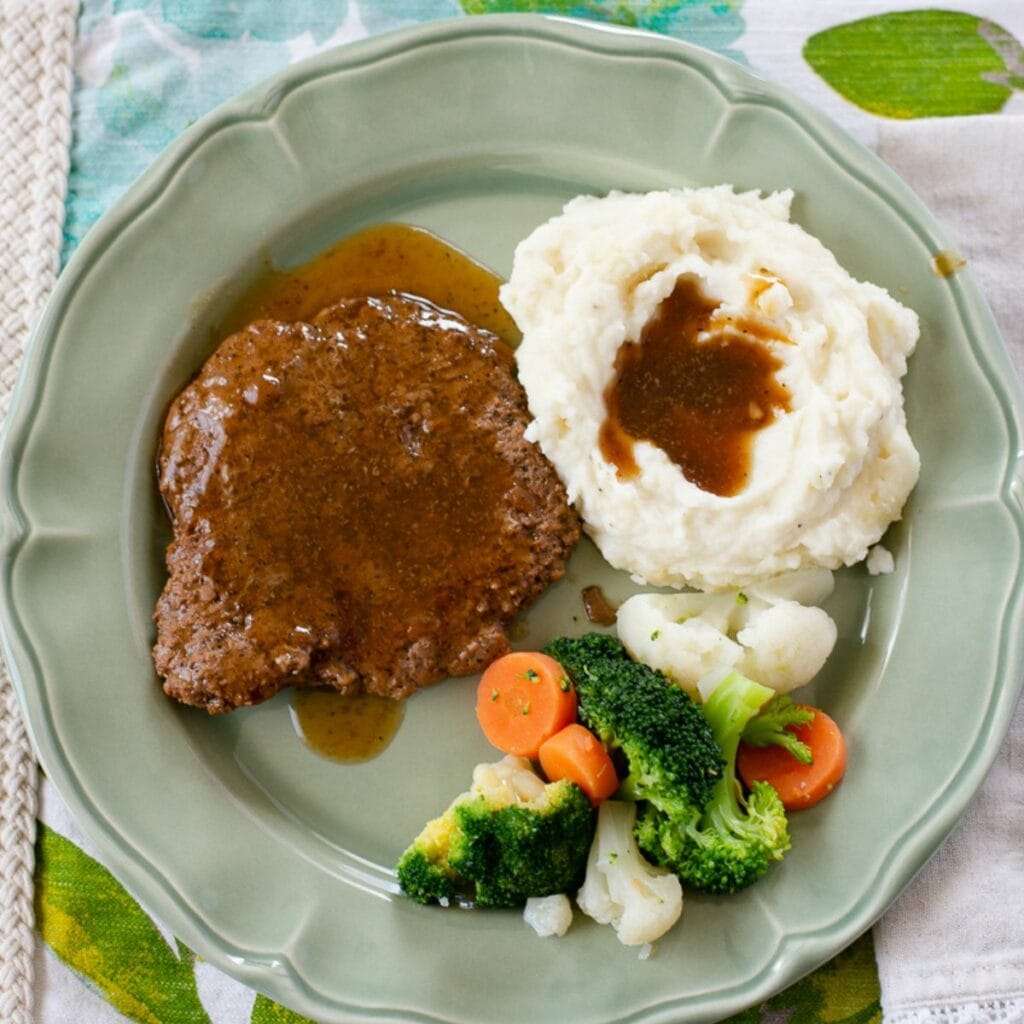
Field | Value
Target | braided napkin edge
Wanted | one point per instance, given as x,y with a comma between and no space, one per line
36,61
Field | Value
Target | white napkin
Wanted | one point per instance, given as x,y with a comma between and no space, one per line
951,950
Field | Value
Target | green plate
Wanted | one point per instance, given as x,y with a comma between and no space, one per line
275,864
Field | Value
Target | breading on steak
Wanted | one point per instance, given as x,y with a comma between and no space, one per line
354,505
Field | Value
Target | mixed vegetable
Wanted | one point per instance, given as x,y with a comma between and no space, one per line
774,632
511,836
624,785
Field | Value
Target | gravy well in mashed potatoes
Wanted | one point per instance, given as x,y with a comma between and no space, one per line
810,471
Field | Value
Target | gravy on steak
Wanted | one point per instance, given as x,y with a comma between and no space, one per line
354,505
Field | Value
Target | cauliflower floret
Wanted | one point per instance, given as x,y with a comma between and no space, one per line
786,644
771,632
508,782
683,635
880,561
640,901
548,915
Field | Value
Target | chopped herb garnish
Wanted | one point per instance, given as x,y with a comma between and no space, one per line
531,675
741,598
494,694
526,708
564,684
656,634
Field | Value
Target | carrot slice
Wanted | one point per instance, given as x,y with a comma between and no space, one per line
523,699
576,754
798,785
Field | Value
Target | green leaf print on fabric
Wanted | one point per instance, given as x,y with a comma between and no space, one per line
97,929
266,1011
714,24
844,991
927,63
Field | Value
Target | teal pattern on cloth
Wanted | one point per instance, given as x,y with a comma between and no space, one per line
147,69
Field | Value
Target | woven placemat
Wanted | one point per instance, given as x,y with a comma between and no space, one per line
36,45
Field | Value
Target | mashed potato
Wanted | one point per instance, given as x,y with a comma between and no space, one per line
826,477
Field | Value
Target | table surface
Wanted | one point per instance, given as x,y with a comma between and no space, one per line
145,70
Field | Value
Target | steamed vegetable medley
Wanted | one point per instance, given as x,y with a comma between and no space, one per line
631,776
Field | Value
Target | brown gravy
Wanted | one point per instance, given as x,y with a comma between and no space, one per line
700,401
379,259
599,609
346,727
947,262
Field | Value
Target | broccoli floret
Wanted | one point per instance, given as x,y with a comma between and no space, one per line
672,759
511,836
424,872
737,838
769,727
